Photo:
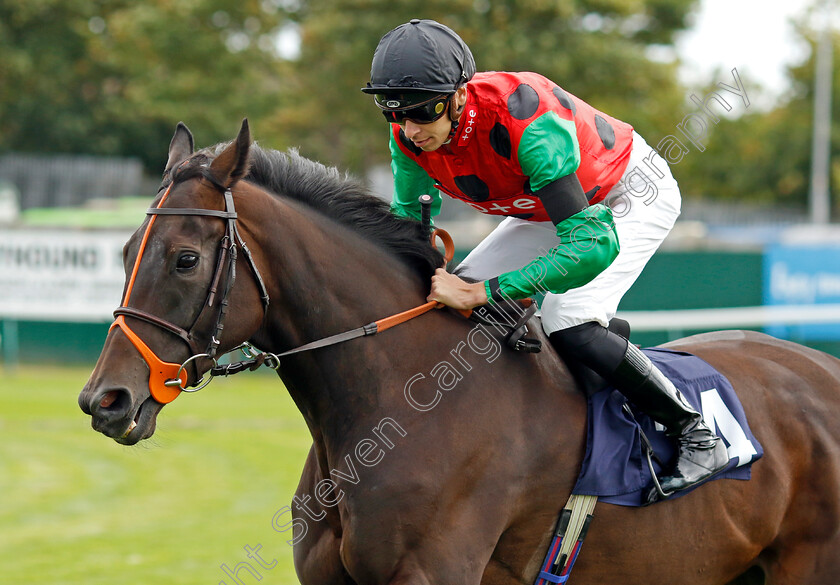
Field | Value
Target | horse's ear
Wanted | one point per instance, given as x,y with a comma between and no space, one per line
181,146
232,163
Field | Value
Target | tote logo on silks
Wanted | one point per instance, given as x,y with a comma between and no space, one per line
468,130
615,466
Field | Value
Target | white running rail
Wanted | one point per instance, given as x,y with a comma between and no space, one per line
731,317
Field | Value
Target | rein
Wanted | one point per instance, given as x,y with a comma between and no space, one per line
166,379
272,360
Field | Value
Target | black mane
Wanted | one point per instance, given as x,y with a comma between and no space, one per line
342,198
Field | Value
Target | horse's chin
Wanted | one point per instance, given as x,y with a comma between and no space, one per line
142,424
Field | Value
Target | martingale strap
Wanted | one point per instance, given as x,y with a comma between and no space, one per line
572,526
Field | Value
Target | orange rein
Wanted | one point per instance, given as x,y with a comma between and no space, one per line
449,253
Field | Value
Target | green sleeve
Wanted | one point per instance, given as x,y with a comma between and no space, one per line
548,150
410,181
588,244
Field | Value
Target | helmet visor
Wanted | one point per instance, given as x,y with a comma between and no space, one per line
419,107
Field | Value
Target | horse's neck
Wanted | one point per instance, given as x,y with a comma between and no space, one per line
328,280
386,386
333,279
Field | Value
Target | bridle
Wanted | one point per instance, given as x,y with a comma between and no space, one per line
167,380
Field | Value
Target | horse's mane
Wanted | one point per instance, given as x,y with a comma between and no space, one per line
341,198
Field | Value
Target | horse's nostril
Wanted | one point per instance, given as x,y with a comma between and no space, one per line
112,402
109,399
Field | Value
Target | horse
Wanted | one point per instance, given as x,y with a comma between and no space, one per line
439,456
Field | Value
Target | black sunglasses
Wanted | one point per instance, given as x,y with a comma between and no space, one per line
424,113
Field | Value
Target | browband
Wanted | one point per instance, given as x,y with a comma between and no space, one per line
190,211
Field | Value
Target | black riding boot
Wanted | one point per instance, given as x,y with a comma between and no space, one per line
701,452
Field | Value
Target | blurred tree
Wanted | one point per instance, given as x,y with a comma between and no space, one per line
596,49
765,156
114,76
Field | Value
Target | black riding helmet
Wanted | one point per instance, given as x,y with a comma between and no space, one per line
416,62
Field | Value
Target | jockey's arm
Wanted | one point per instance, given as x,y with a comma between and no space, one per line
587,245
587,242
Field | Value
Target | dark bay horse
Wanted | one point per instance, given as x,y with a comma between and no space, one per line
439,457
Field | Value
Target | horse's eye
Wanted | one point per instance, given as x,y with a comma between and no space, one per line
187,261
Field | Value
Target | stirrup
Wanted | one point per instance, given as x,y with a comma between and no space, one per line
650,455
658,493
657,487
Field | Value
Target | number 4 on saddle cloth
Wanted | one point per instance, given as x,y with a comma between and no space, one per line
615,467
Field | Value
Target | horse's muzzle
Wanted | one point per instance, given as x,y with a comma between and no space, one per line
114,413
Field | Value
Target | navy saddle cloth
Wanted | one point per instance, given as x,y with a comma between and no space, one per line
615,467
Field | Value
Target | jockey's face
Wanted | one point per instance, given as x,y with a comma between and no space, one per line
433,135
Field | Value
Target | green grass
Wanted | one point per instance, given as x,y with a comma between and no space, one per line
77,508
122,213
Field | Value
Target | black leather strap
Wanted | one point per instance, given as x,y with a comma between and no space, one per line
496,294
190,211
157,321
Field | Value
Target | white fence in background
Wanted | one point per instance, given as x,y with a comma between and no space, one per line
77,276
677,322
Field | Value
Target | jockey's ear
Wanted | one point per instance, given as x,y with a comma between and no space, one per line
461,96
232,163
180,148
459,100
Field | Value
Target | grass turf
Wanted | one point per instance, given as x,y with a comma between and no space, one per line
78,508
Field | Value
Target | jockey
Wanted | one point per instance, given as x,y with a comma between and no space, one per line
587,203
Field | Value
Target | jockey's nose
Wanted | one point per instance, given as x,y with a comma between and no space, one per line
411,129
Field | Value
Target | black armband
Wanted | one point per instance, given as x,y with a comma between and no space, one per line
562,198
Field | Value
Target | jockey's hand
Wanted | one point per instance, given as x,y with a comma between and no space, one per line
456,293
